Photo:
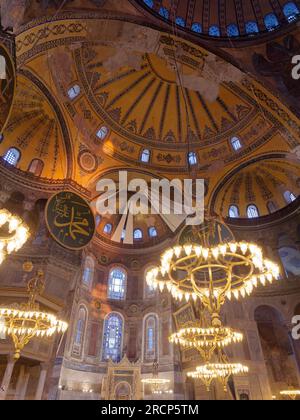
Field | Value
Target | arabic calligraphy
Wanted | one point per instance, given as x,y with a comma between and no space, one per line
70,220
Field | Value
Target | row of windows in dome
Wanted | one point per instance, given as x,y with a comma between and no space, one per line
271,21
252,210
113,336
138,234
192,157
117,281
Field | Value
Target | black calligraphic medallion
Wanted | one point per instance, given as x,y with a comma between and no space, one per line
70,220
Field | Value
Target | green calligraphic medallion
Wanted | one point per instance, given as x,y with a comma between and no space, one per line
70,220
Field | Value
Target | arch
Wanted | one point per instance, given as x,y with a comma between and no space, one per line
36,167
276,346
112,341
117,283
145,156
123,391
152,231
79,331
150,338
138,235
12,156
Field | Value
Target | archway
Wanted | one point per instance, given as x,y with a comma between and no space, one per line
123,392
277,349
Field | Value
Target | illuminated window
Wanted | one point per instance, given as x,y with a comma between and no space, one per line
272,207
291,11
12,156
214,31
271,22
152,232
79,332
1,138
108,228
117,283
145,156
98,220
192,158
112,338
149,3
180,21
236,143
233,30
234,212
102,133
74,92
151,338
289,197
2,325
164,12
252,27
138,234
252,212
197,27
88,272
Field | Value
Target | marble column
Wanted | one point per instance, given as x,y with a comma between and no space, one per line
24,386
41,383
20,383
7,377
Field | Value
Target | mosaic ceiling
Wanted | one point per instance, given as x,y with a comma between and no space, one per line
225,18
85,107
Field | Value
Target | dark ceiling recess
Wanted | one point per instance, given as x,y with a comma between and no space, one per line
234,19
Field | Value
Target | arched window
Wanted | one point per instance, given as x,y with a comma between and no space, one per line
233,30
236,143
214,31
98,220
112,338
73,92
108,228
192,158
252,28
152,232
164,12
1,138
3,75
197,27
149,3
79,332
36,167
291,11
102,133
252,212
271,21
289,197
88,272
234,212
12,156
145,156
272,207
137,235
117,283
180,21
150,338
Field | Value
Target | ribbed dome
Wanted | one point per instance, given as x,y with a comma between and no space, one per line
225,18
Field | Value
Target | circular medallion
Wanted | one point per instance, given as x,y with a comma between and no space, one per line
87,161
70,220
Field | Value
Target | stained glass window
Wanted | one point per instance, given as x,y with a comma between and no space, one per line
271,22
234,212
12,156
291,11
151,338
112,338
117,283
252,212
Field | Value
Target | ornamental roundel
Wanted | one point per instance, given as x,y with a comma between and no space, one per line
87,161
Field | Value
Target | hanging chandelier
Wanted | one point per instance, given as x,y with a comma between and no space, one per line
212,272
293,394
206,340
218,371
25,322
158,385
14,233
